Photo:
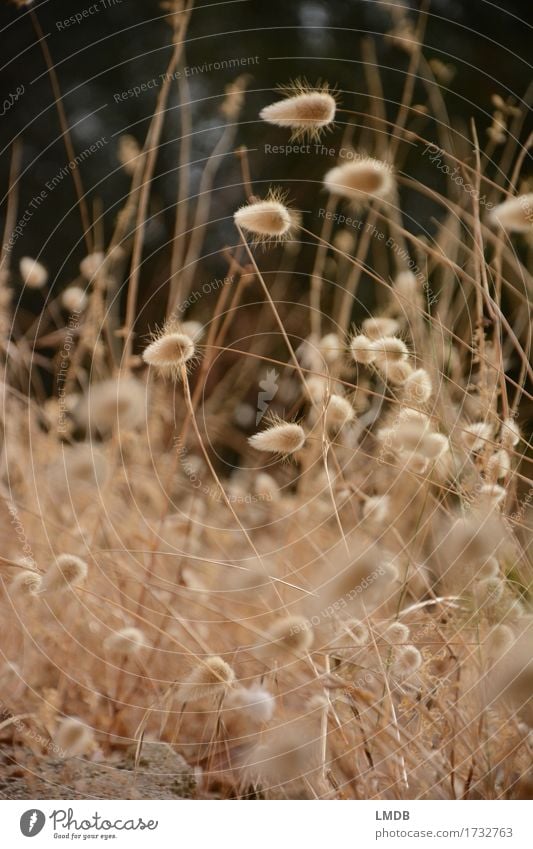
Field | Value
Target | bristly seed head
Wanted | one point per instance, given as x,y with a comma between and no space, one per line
283,438
361,181
34,275
170,351
306,110
67,570
362,349
211,679
267,219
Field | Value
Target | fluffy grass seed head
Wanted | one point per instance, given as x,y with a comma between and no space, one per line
389,349
256,703
476,435
26,582
396,633
331,348
377,509
170,351
267,219
33,273
362,349
68,570
110,404
91,265
379,326
361,181
514,215
284,438
397,372
128,641
339,412
417,387
510,433
499,465
74,299
306,110
210,679
407,661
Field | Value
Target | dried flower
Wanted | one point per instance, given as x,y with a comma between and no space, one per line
499,465
305,110
34,275
396,372
396,633
331,348
510,433
282,438
377,509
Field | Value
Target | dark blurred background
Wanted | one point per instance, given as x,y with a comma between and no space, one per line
118,45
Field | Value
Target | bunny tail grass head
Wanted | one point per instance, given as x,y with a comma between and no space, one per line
210,679
34,274
73,738
361,181
306,110
126,642
170,351
68,570
514,215
268,219
283,438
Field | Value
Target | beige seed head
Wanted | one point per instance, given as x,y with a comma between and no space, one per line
476,435
308,112
499,465
170,352
128,153
406,284
397,372
362,349
331,348
361,181
380,326
68,570
266,219
26,582
388,350
407,661
377,509
510,433
282,438
91,265
211,679
256,703
417,388
491,495
396,633
114,403
34,275
127,641
266,486
338,412
74,299
514,215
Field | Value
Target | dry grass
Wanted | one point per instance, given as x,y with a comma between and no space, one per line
348,614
